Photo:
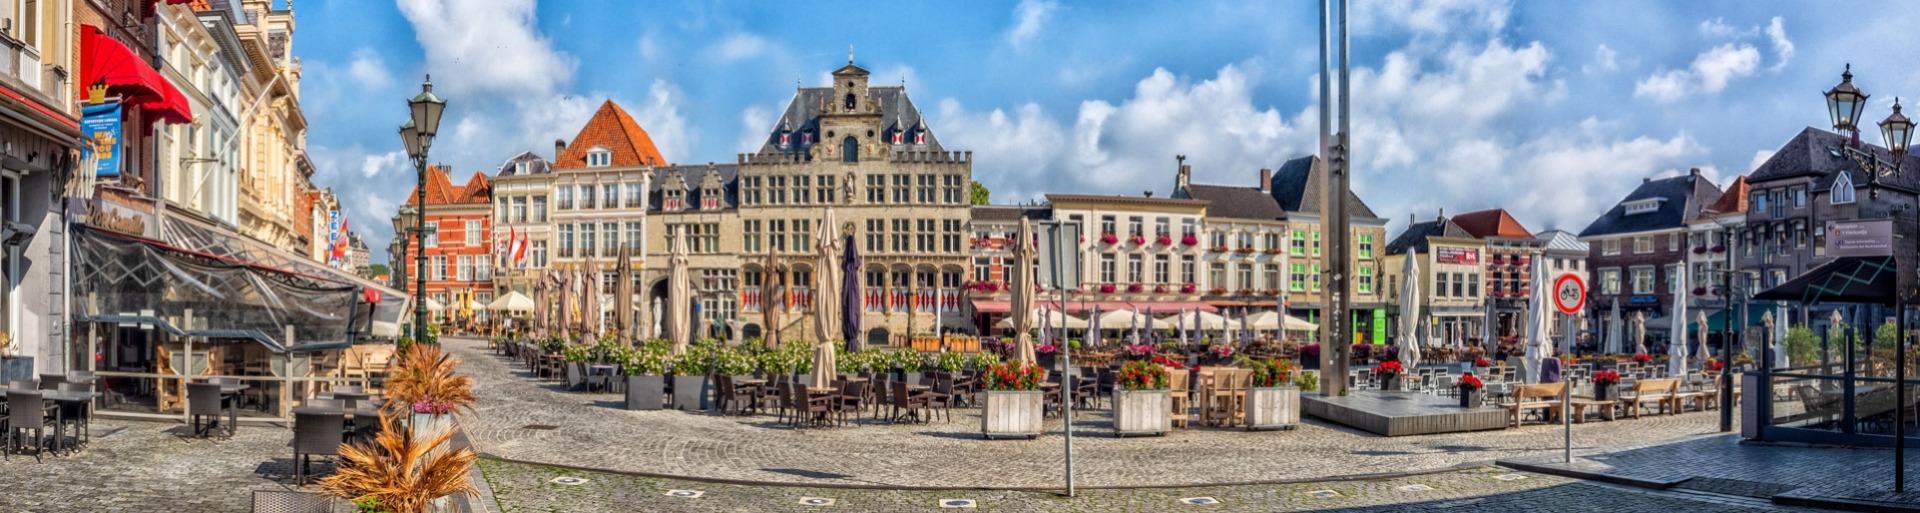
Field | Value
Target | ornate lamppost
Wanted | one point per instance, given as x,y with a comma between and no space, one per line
417,135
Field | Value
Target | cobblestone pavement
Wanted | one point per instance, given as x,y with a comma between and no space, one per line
522,488
1722,464
593,432
152,466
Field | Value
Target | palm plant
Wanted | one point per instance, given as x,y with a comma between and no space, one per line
425,374
401,472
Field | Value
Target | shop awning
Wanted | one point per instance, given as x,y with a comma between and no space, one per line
389,307
106,61
1864,280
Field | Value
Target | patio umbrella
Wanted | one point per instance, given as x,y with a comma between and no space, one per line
1178,327
1538,343
1291,323
1023,285
850,294
771,300
1639,332
540,306
1780,336
826,312
514,301
1264,321
679,327
435,305
592,309
1118,320
1773,344
1093,327
1050,319
1046,325
1615,329
1677,350
1487,335
1134,324
1409,313
623,295
1157,324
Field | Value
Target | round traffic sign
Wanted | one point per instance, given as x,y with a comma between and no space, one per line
1569,293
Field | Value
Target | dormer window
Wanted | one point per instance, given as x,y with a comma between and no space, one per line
899,137
806,137
920,137
1642,206
599,157
786,139
1842,190
674,200
710,199
520,168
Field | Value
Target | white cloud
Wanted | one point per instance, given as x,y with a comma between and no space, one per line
1759,157
739,46
488,47
1030,16
373,165
1710,73
1718,28
1431,17
369,70
1604,59
1782,47
649,48
754,123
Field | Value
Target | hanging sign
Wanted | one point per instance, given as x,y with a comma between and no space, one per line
100,129
1864,238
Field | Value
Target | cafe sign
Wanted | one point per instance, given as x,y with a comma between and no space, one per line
1865,238
117,218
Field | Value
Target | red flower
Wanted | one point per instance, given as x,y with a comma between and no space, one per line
1470,381
1642,358
1606,377
1482,362
1388,368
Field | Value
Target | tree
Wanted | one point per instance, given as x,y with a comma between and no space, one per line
377,269
980,194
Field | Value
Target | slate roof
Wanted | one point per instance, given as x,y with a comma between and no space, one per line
1818,153
1296,186
897,113
1492,223
1008,213
692,174
442,191
613,129
1561,240
1235,202
1682,199
535,165
1415,237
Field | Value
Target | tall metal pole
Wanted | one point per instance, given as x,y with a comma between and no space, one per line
1066,354
1900,397
420,256
1339,251
1566,390
1726,335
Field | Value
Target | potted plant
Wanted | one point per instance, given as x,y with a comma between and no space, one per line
1014,401
1164,240
1109,238
1188,288
1274,401
1107,288
1480,362
424,387
401,471
1141,406
1189,240
1642,358
1047,354
1605,383
576,357
1389,372
690,379
1160,289
1138,239
1219,249
1310,356
1136,288
1218,291
1138,351
1471,391
646,370
1219,354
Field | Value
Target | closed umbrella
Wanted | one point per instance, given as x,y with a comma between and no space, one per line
826,311
679,326
593,307
1487,335
540,307
850,304
1093,327
771,302
1779,336
1677,349
1023,286
563,302
1773,343
623,295
1196,321
1615,329
1538,341
1409,313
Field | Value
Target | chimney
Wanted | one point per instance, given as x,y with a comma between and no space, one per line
559,147
1693,174
1442,216
1184,175
1266,180
1646,179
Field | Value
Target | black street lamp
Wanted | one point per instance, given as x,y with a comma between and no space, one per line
417,135
1844,105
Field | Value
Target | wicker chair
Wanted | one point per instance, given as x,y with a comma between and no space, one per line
851,398
26,412
315,434
204,403
280,501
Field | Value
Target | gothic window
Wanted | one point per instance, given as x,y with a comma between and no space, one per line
850,149
1842,190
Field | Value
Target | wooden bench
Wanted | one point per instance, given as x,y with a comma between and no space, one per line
1659,391
1544,395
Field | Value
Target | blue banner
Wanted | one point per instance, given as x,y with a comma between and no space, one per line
100,127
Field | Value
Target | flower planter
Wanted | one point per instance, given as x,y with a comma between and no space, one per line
1273,407
690,393
1047,360
1607,392
1392,383
1141,412
426,425
646,392
1006,414
1472,397
576,374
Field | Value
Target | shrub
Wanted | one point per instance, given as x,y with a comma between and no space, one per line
1308,382
1272,373
1139,375
1013,377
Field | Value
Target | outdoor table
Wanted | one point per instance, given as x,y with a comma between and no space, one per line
59,414
229,401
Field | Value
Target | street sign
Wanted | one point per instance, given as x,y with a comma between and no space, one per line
1569,293
1059,263
1864,238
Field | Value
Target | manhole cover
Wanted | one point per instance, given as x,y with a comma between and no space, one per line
957,503
815,501
685,494
569,481
1324,494
541,427
1197,501
1415,488
1509,477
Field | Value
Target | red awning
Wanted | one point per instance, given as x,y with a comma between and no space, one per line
1075,307
985,306
106,61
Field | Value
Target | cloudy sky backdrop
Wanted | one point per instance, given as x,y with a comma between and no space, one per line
1553,110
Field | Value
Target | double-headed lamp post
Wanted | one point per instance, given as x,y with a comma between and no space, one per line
417,135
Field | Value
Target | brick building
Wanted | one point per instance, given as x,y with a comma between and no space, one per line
458,247
1637,248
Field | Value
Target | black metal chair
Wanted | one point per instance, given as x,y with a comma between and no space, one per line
315,434
51,381
204,403
26,412
280,501
79,414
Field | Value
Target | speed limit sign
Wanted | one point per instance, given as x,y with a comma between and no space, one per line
1569,293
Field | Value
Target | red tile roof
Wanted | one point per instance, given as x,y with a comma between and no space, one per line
613,129
1733,200
442,191
1492,223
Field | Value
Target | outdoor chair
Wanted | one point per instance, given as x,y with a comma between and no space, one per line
204,404
811,409
1108,381
576,375
852,398
51,381
1178,396
942,396
880,389
26,413
783,400
966,386
315,434
904,403
1443,385
725,393
281,501
80,415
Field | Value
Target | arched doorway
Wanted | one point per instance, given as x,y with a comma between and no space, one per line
877,337
849,150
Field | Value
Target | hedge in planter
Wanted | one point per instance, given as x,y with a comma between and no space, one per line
1014,402
1273,402
646,370
1141,405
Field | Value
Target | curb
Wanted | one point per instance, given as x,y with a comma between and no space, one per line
852,486
1792,498
1556,470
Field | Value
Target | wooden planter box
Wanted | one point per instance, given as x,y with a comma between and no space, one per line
690,393
1273,408
1007,414
646,392
1141,412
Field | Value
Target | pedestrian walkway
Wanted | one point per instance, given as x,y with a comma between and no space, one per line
1821,476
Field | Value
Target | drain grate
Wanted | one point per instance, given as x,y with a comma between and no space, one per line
541,427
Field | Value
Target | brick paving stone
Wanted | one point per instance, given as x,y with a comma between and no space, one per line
594,432
152,466
1724,464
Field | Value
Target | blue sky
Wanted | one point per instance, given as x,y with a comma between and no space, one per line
1553,110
